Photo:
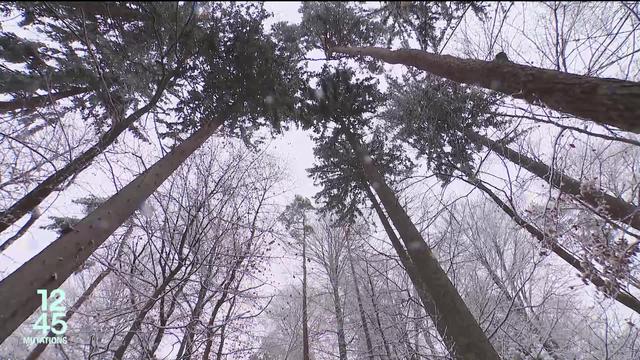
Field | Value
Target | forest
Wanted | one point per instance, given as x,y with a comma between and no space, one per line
320,180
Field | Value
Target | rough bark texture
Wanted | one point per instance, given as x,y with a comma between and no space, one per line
615,208
624,298
53,265
28,202
469,340
34,102
605,101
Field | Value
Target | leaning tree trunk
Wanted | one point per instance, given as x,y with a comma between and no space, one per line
605,101
39,349
622,297
32,199
614,207
410,268
33,102
469,340
53,265
363,317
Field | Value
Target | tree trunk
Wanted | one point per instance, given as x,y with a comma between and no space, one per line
305,325
342,343
461,327
34,216
39,349
148,305
33,102
53,265
410,268
376,312
32,199
615,208
363,317
624,298
605,101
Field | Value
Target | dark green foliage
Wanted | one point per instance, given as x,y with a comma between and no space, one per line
336,109
116,51
65,223
427,21
339,99
432,116
336,23
242,76
343,182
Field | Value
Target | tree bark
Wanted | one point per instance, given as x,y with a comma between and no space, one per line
32,199
53,265
602,100
469,340
33,102
624,298
363,317
39,349
615,208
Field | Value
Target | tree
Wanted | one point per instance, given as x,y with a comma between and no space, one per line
295,220
245,105
344,102
605,101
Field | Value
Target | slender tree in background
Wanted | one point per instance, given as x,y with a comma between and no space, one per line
295,220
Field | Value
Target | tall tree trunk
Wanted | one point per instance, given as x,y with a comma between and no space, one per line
186,345
53,265
469,340
605,101
305,316
32,199
342,342
615,208
410,269
376,312
39,349
148,305
622,297
363,317
33,102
